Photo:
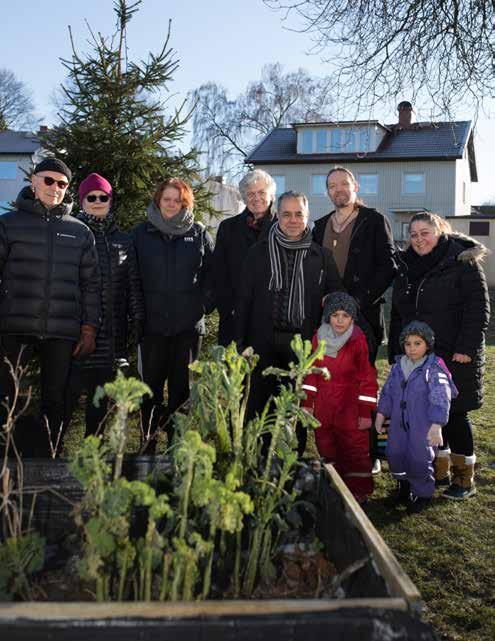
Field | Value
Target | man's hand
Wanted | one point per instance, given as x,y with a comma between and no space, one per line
87,342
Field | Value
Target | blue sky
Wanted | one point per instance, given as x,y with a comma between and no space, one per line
226,41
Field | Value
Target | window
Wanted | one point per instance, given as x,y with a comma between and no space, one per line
319,184
479,228
413,184
336,138
364,140
404,231
350,140
321,141
280,182
8,170
368,183
307,142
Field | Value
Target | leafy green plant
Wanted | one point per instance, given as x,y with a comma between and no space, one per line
223,492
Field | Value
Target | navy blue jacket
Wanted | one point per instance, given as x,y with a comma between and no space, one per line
175,274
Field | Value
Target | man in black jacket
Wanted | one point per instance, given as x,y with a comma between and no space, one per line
234,238
361,242
49,299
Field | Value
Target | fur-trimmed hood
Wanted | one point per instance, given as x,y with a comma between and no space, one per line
472,250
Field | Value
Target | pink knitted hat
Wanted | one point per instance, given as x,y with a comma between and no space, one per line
93,182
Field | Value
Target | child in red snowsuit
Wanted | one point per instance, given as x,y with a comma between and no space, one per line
343,404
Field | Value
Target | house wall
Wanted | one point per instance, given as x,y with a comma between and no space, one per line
440,186
9,189
463,187
462,226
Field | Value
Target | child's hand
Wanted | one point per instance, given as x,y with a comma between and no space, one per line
310,410
379,420
364,423
434,437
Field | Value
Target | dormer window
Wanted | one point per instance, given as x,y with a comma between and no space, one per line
341,138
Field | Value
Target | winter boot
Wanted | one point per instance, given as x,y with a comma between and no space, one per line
462,486
403,492
417,504
441,465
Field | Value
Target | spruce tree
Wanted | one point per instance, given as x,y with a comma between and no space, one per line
114,122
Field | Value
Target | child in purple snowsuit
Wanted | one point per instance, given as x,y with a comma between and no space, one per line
416,397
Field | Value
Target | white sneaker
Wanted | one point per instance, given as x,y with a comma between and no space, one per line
377,466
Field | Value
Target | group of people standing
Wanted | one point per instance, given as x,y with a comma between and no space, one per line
79,291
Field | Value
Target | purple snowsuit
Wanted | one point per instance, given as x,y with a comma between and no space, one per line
412,406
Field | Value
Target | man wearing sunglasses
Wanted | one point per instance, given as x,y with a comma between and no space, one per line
49,298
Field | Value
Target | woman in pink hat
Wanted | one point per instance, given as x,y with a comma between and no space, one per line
122,310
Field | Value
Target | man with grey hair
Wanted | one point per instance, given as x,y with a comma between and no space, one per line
234,238
285,278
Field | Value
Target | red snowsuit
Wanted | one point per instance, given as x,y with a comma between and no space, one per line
338,403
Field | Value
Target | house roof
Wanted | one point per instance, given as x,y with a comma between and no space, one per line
18,142
422,141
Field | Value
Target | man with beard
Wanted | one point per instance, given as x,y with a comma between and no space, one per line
360,239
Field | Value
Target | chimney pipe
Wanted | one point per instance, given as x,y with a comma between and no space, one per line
406,115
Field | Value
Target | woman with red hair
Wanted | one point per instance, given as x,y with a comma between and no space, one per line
174,255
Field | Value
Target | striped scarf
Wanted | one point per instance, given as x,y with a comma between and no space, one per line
277,241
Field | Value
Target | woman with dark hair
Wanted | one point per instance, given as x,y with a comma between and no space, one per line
174,255
120,296
441,282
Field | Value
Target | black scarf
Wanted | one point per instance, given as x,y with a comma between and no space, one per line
418,265
277,242
97,223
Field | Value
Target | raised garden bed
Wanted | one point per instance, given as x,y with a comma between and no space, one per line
378,600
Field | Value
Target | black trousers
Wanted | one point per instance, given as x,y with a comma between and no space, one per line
165,359
55,359
88,379
262,387
458,434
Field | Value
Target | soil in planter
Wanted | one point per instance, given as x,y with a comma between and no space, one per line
302,574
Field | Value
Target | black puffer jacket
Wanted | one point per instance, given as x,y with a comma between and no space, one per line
255,303
453,299
121,296
175,274
48,271
370,265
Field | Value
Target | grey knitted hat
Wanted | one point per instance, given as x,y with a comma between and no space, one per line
418,328
339,301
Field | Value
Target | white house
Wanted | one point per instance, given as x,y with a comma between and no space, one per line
19,152
402,168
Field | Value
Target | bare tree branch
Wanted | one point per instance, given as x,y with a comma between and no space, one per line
437,52
226,130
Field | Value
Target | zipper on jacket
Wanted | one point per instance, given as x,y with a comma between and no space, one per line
417,293
48,220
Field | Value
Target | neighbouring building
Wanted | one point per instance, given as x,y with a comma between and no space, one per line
402,169
481,226
19,152
225,198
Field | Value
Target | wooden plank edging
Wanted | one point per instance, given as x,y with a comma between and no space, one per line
84,611
398,582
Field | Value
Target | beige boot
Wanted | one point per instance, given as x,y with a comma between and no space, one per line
462,486
441,465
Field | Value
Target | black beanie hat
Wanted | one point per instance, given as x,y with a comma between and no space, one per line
53,164
418,328
339,301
